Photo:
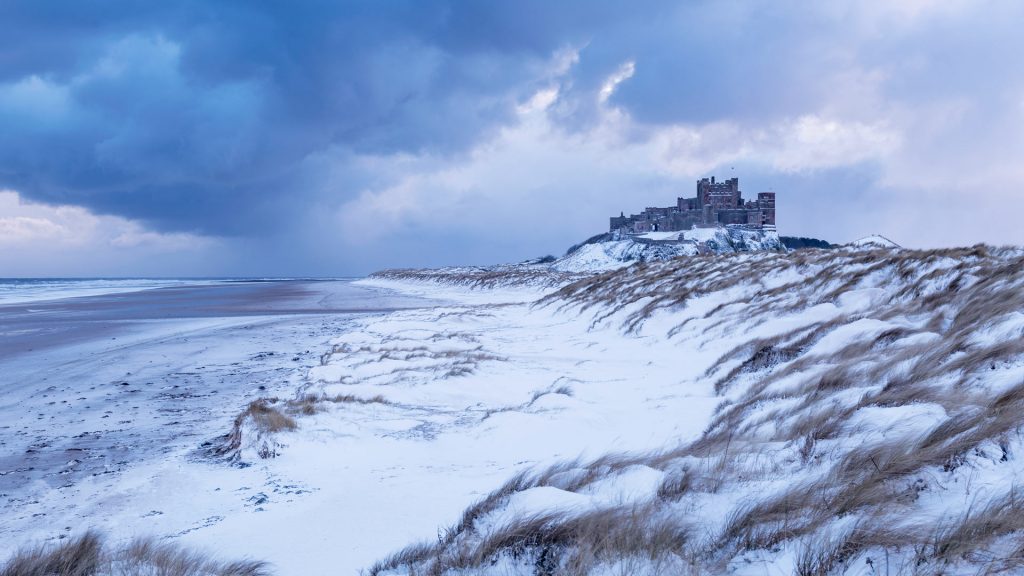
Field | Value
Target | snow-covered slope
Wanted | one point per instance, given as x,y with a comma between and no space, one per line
870,423
873,241
600,254
616,253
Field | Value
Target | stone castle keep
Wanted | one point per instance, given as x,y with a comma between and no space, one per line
716,204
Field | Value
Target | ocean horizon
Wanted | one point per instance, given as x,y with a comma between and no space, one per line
17,290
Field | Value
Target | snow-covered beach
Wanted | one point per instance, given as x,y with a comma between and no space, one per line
98,386
436,288
751,413
473,391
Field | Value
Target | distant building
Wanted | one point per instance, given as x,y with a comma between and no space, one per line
715,204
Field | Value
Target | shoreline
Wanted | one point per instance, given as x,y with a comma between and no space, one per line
127,387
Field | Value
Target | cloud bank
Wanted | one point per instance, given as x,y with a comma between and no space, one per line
40,239
339,137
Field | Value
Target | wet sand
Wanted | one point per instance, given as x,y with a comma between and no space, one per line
32,326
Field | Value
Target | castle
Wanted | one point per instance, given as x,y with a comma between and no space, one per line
716,204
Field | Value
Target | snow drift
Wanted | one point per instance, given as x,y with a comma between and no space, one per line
870,423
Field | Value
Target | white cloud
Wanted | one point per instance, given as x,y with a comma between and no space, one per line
21,229
918,160
910,12
900,117
625,72
44,239
537,175
814,142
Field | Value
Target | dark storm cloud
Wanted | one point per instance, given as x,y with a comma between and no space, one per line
199,115
700,62
249,118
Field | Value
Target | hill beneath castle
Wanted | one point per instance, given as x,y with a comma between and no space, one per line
611,251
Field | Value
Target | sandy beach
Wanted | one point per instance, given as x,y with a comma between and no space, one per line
94,384
438,400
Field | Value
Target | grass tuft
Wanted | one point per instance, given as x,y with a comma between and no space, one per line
86,555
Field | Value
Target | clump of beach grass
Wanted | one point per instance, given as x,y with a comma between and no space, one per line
89,555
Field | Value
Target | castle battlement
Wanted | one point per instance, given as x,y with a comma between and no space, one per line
714,204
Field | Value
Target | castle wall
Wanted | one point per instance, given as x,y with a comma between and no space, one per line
738,216
644,226
686,204
686,220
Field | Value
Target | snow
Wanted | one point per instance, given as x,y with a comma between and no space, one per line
858,330
873,241
363,479
840,369
629,485
539,500
908,419
618,253
457,435
599,256
458,396
661,235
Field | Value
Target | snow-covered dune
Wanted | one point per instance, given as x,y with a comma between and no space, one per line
869,423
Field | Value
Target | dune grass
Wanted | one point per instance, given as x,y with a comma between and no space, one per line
800,470
89,555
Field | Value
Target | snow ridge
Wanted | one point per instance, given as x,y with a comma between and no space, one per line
601,254
874,241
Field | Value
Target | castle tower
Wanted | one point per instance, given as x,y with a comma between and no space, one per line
719,195
766,205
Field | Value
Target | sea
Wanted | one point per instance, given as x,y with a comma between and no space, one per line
19,290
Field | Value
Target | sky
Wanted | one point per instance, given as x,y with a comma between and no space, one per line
334,138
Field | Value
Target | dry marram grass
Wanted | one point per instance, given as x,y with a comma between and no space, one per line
86,555
792,413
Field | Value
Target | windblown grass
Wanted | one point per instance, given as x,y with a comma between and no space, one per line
483,277
790,448
264,418
87,555
255,425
